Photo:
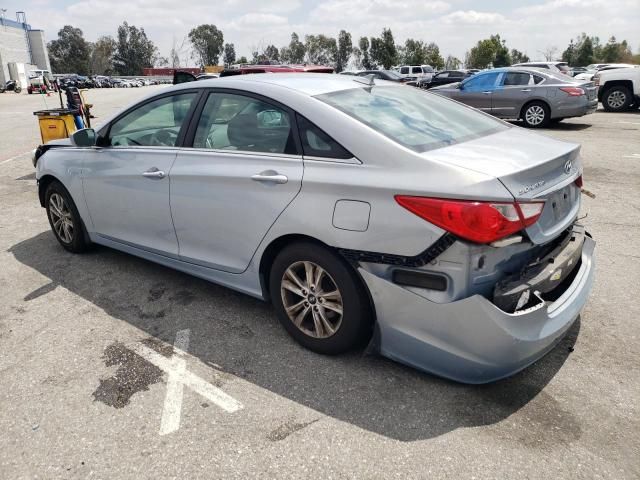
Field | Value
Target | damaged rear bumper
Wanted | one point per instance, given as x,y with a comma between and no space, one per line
472,340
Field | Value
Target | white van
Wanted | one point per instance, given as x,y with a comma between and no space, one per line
423,72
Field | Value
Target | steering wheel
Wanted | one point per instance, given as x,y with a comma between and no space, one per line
164,138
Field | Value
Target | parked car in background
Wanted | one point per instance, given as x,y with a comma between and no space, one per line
576,70
180,76
415,72
363,212
535,96
588,75
558,67
443,78
389,75
619,88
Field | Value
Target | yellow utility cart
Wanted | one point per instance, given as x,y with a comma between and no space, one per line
56,123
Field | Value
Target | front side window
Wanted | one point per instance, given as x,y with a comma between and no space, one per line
478,83
416,70
154,124
238,122
404,70
413,118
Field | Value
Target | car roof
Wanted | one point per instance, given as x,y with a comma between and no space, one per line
306,83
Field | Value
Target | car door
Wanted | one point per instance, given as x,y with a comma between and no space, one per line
477,91
441,78
513,91
126,181
243,168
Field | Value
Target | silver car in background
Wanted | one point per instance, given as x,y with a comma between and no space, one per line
365,211
537,97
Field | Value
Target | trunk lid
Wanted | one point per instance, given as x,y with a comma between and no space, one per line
532,167
590,89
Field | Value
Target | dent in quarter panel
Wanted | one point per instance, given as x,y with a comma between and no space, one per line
351,215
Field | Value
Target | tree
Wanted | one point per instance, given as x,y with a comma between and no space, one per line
102,55
518,57
345,47
413,52
176,52
549,53
70,53
491,51
243,60
383,49
229,54
272,53
321,50
482,55
207,42
363,45
432,56
134,50
614,52
452,63
584,52
502,57
294,52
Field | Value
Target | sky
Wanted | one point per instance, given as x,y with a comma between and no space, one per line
455,25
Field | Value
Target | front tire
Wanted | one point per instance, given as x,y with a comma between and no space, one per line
536,115
617,99
319,299
64,219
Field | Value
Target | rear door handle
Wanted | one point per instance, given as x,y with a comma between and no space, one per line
270,177
153,172
525,90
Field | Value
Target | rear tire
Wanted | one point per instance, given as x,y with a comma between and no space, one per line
617,99
535,115
64,219
330,317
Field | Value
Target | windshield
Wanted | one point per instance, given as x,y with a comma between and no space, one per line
415,119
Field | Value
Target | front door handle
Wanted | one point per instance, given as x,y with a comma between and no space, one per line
153,173
488,92
270,177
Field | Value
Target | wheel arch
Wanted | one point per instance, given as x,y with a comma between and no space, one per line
276,245
614,83
43,183
533,100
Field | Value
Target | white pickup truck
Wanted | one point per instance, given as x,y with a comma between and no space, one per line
618,89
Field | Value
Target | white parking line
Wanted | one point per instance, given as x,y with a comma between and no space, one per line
633,155
14,158
179,377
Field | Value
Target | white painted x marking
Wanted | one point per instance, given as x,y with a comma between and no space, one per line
178,378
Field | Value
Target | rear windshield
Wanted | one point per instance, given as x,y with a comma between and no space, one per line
413,118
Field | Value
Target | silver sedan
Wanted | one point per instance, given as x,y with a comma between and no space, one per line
535,96
365,211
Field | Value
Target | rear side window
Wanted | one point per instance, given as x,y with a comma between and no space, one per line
537,79
516,79
316,143
442,75
242,123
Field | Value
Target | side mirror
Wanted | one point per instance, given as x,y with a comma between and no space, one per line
84,138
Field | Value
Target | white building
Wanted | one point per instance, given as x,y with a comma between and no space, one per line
22,48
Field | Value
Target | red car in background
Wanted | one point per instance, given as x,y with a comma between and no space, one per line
182,76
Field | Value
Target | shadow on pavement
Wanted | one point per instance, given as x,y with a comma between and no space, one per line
242,336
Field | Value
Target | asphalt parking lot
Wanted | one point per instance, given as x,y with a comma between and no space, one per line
91,385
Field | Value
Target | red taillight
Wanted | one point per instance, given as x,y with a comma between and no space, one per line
479,222
578,182
573,91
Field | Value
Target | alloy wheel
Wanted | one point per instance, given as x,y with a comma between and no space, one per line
535,115
311,299
61,218
616,99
